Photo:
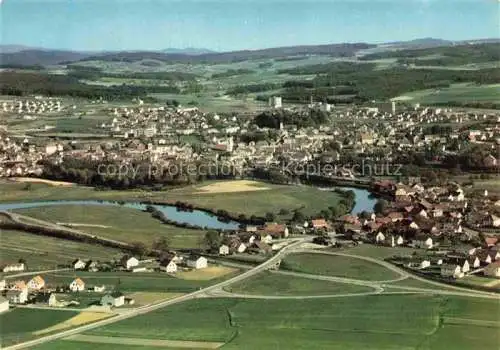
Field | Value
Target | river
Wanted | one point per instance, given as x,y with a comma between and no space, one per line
364,202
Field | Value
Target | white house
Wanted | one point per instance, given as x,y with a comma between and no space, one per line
423,243
451,270
129,263
4,305
380,237
197,263
77,285
493,269
223,250
36,283
3,284
474,262
268,239
424,263
241,248
168,265
79,264
115,299
98,289
17,296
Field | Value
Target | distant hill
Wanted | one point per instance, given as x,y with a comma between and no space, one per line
422,43
337,50
41,57
188,51
18,55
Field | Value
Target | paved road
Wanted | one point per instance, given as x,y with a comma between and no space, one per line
405,274
145,309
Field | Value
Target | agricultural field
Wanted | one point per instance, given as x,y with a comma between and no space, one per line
65,344
367,322
41,252
466,92
267,283
206,274
257,202
116,222
19,325
338,266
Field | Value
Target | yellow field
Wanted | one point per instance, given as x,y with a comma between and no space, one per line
41,181
233,186
206,274
146,298
81,318
492,284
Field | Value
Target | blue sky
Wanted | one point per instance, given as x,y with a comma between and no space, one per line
233,24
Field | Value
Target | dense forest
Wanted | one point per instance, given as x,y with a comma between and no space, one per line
94,73
361,82
28,83
443,56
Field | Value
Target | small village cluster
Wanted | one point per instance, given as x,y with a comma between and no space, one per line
59,294
434,219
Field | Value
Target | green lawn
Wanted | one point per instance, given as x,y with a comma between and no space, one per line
123,224
362,322
378,252
131,282
466,92
17,325
268,283
275,198
41,252
339,266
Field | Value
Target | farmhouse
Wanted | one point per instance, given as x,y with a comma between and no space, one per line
276,230
129,262
223,250
197,262
319,224
78,264
17,296
423,242
36,283
115,299
77,285
168,265
4,305
493,269
451,270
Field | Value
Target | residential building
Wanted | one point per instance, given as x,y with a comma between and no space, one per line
197,262
114,299
36,283
223,250
168,266
493,270
77,285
